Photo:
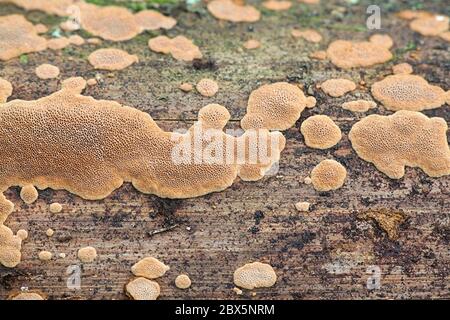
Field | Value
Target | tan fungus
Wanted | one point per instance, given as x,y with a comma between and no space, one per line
142,289
47,71
337,87
55,207
309,35
6,90
29,194
277,5
359,105
153,20
50,232
445,35
255,275
182,281
150,268
41,28
328,175
402,68
319,55
229,11
207,87
413,14
386,219
186,87
320,132
22,234
252,44
87,254
430,26
45,255
111,59
180,47
302,206
91,82
382,40
26,295
58,43
76,40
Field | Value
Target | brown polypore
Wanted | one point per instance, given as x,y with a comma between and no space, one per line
6,90
180,47
149,268
255,275
337,87
359,105
228,10
408,92
277,5
275,106
142,289
111,59
328,175
207,87
320,132
47,71
406,138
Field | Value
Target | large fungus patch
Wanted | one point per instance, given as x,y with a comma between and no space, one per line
406,138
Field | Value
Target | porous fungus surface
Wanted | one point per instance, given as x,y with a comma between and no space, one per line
430,26
150,268
153,20
413,14
26,296
111,59
402,68
349,54
328,175
207,87
337,87
41,28
320,132
45,255
359,105
277,5
307,34
55,207
180,47
18,36
255,275
406,138
142,289
6,90
10,244
230,11
275,106
386,219
182,281
408,92
29,194
87,254
47,71
302,206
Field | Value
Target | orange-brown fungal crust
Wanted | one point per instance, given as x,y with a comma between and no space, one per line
18,36
430,26
320,132
252,44
275,106
309,35
29,194
207,87
6,90
150,268
408,92
111,59
99,144
87,254
186,87
41,28
47,71
348,54
382,40
277,5
10,244
76,40
180,47
58,43
328,175
337,87
230,11
255,275
55,207
359,105
318,55
413,14
402,68
406,138
142,289
182,281
153,20
26,295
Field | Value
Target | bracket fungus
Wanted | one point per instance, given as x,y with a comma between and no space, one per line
19,36
142,289
47,71
111,59
337,87
255,275
408,92
359,105
180,47
150,268
351,54
320,132
275,106
6,90
406,138
230,11
328,175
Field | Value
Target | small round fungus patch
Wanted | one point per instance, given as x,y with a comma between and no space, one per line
359,105
26,296
111,59
50,232
150,268
22,234
430,26
402,68
45,255
382,40
153,20
277,5
302,206
186,87
6,90
230,11
328,175
207,87
252,44
255,275
275,106
87,254
309,35
408,92
58,43
182,281
143,289
47,71
337,87
406,138
320,132
55,207
180,47
29,194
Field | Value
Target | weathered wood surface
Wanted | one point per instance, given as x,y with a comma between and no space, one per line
249,221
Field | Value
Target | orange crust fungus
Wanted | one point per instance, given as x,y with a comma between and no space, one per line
255,275
142,289
252,44
87,254
150,268
111,59
309,35
182,281
207,87
352,54
277,5
406,138
153,20
320,132
359,105
230,11
408,92
430,26
180,47
402,68
337,87
56,7
275,106
47,71
58,43
19,36
328,175
26,295
6,90
29,194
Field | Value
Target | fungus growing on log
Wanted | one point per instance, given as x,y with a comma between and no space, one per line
182,281
111,59
255,275
26,295
359,105
337,87
230,11
180,47
402,68
150,268
29,194
6,90
320,132
309,35
277,5
328,175
142,289
430,26
207,87
87,254
153,20
47,71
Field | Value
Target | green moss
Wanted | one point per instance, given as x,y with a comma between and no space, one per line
23,59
